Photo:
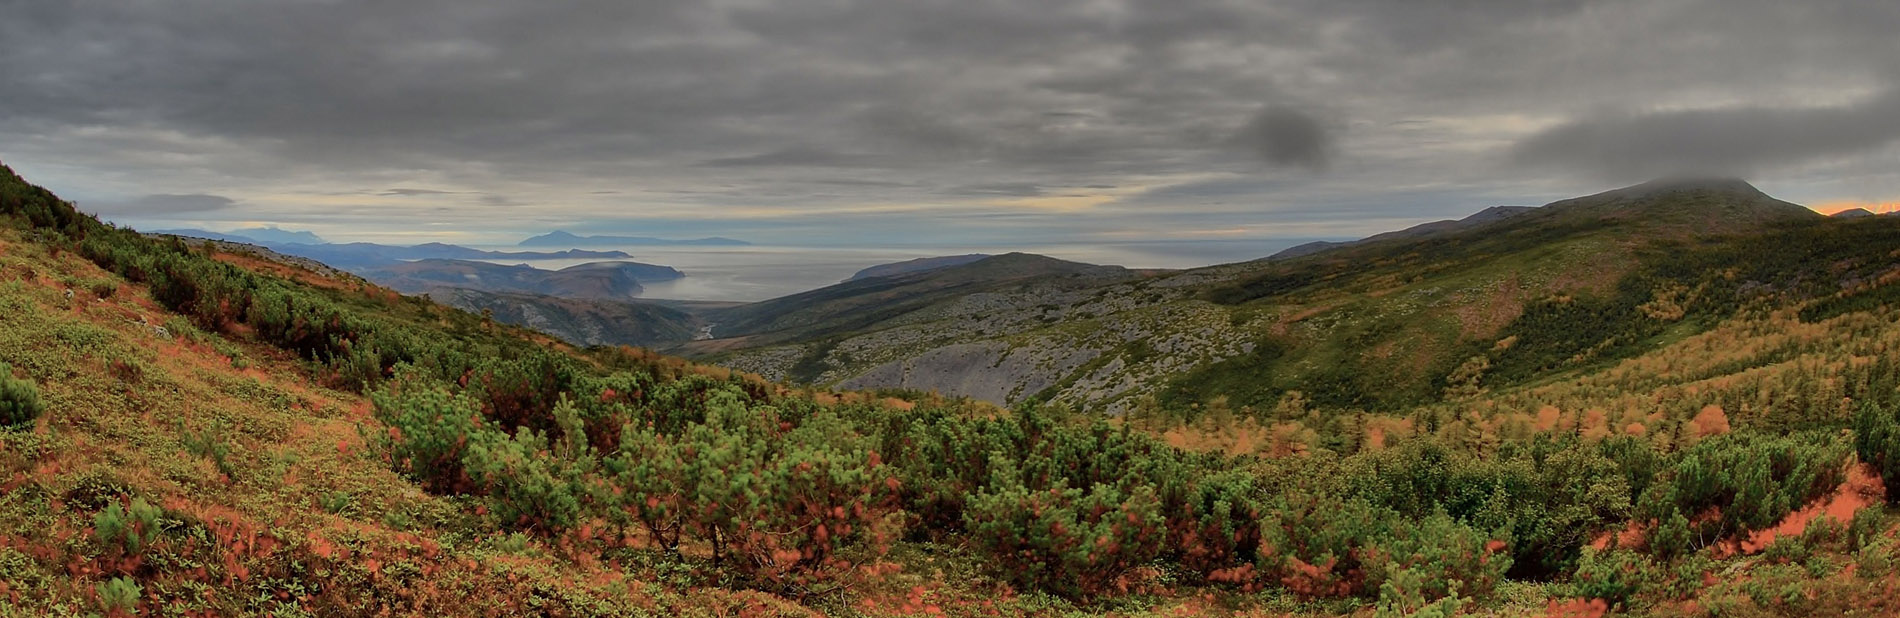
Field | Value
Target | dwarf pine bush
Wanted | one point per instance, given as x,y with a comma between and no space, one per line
19,399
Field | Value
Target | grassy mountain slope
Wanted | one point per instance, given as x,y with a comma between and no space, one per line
1434,228
1384,324
218,436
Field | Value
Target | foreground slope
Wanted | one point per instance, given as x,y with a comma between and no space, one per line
195,433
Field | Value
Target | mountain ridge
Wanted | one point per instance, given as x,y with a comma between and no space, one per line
915,265
562,238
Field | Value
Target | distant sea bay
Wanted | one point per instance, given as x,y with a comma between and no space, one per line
760,272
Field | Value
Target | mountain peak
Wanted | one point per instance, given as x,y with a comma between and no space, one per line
1707,205
1685,184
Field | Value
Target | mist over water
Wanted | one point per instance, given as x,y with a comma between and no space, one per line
759,272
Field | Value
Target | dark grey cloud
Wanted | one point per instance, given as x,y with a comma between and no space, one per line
1731,141
1286,136
165,204
724,110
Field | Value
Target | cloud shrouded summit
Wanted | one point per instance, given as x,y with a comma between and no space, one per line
1080,119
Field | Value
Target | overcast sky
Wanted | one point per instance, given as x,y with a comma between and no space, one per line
930,122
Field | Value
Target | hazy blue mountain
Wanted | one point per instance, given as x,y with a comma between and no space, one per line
357,256
361,255
560,238
272,235
591,281
267,235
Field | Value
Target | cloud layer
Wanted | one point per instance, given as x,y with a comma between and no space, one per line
1729,140
1071,118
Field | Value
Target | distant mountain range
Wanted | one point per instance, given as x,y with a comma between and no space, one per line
268,235
591,281
559,238
357,256
362,255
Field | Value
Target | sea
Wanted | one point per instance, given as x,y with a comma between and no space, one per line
759,272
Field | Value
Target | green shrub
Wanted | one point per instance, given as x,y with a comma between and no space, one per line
119,596
1875,559
1064,539
1674,537
1616,575
1320,545
128,530
1753,480
1550,497
1443,558
19,399
1403,595
821,499
337,502
1213,519
649,472
1877,442
1867,525
1787,549
784,507
525,487
210,443
429,428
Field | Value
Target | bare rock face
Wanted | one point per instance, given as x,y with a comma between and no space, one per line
986,370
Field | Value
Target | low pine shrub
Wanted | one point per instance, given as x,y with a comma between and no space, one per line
119,596
1877,442
1067,540
129,530
19,399
1319,545
526,488
1615,576
429,429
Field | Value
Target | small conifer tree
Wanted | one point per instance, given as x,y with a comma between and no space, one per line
19,399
